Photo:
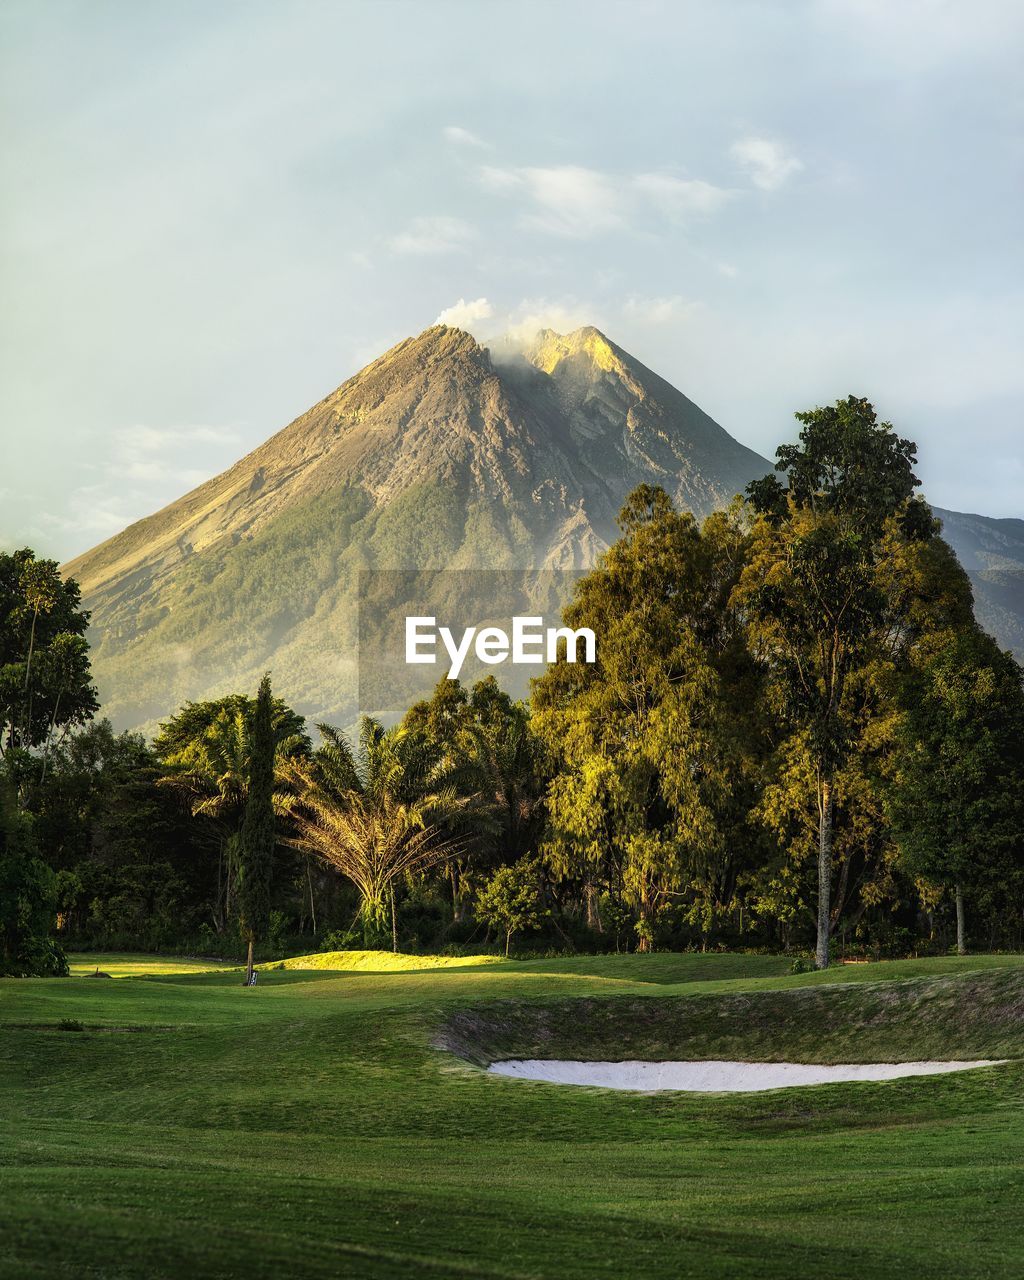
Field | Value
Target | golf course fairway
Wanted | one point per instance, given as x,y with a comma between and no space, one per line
338,1120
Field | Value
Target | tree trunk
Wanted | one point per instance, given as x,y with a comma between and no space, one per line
28,673
49,737
249,966
824,871
394,925
312,907
230,871
593,915
219,908
508,941
961,936
458,905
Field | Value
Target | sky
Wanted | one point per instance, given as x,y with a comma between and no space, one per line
215,213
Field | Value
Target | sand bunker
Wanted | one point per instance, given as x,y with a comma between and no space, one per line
717,1077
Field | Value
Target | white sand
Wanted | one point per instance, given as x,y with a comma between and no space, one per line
717,1077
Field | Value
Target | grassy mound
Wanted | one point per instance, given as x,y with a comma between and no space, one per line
379,962
132,965
974,1015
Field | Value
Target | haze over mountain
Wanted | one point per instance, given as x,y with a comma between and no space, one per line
442,453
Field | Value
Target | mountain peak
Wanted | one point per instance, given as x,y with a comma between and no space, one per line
549,349
439,342
449,337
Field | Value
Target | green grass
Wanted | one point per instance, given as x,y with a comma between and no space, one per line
336,1122
379,962
132,965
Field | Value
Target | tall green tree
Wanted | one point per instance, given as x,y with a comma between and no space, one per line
205,749
27,897
45,684
141,866
256,837
925,592
955,800
651,757
495,761
815,593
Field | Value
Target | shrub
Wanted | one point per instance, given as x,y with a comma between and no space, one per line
512,899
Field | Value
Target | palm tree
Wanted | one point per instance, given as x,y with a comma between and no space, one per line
378,818
40,585
210,770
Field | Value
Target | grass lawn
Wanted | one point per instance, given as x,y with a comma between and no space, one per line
132,965
335,1121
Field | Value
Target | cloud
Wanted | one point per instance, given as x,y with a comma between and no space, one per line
580,203
92,512
681,197
530,315
659,310
463,314
520,323
767,162
433,235
922,35
569,200
459,137
142,471
150,453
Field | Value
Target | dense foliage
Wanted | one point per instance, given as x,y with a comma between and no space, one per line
795,735
45,688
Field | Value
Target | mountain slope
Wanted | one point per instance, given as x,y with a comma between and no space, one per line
442,453
992,552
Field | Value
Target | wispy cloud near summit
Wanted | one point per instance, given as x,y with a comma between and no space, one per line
464,315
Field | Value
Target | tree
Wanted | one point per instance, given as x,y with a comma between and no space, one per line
955,801
182,739
45,685
512,900
650,745
813,592
256,838
508,760
40,586
376,819
104,823
205,749
925,591
27,898
494,761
